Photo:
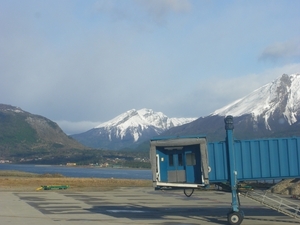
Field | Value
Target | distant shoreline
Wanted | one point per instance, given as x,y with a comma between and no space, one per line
77,166
81,171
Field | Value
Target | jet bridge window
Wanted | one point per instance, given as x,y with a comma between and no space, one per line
171,160
190,159
176,159
180,160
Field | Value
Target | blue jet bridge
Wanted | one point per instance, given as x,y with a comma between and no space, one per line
192,162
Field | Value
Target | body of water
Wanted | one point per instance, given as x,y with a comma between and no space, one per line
86,172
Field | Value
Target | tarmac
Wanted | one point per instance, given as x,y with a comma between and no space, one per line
129,206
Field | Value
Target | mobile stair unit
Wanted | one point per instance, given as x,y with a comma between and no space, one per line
191,162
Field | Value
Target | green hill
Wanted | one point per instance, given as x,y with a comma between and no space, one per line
22,131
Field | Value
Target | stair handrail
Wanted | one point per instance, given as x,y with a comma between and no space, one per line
282,204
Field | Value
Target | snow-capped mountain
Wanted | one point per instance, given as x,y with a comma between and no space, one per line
139,120
280,97
129,129
272,110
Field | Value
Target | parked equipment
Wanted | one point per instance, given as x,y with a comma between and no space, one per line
190,162
51,187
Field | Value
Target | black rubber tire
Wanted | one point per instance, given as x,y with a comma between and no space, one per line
235,218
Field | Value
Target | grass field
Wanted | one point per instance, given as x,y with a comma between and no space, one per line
21,181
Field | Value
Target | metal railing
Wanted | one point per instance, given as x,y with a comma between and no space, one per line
275,202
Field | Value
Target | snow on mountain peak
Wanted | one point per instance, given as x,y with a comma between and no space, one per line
136,121
283,95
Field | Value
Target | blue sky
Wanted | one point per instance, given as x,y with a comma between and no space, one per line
81,63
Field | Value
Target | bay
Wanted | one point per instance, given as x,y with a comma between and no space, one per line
81,172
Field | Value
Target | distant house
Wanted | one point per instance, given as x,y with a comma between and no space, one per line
71,164
104,165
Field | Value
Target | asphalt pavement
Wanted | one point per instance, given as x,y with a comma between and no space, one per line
129,206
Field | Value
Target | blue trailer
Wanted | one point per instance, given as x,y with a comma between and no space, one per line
191,162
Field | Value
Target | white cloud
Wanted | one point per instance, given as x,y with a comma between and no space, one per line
281,50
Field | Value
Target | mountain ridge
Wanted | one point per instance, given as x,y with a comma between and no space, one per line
129,129
272,110
281,94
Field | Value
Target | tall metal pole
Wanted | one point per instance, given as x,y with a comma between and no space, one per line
231,159
235,216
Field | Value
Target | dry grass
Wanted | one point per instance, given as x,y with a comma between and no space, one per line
20,181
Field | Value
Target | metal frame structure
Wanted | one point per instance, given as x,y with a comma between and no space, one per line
191,162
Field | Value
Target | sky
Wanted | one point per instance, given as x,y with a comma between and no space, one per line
82,63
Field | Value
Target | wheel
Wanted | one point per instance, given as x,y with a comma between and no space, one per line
235,218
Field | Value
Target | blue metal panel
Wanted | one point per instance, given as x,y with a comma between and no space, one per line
293,156
191,172
218,162
193,169
265,159
257,159
274,158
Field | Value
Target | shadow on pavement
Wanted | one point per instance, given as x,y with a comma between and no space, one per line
217,215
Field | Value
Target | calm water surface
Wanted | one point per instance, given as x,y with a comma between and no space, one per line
81,171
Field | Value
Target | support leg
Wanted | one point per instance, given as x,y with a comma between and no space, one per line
235,217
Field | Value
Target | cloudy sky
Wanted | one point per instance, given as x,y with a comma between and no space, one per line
81,63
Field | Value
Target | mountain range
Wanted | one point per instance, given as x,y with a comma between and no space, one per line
129,129
272,110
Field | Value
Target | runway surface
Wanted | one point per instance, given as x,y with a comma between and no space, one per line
129,206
